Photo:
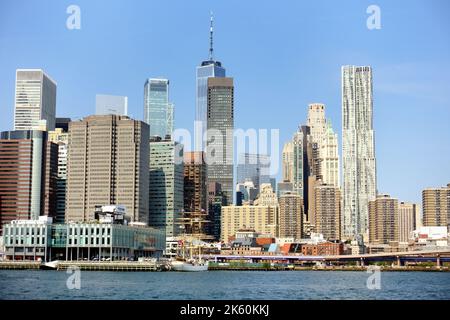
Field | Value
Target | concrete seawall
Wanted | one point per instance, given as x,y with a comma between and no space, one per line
88,265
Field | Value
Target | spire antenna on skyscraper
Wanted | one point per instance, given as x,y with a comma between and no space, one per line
211,32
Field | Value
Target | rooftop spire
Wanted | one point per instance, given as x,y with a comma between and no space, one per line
211,31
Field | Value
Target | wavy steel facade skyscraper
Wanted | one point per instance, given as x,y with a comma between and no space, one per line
358,149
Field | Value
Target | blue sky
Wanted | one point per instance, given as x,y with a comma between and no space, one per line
282,55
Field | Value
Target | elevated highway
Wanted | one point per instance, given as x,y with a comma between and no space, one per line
438,256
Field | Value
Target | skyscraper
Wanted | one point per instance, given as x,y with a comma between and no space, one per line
297,164
358,150
61,138
63,124
195,186
28,170
383,220
248,191
311,168
215,202
267,196
329,157
407,213
208,69
108,104
316,121
284,187
290,216
288,162
158,111
321,133
253,167
166,185
436,206
35,101
326,207
220,125
107,165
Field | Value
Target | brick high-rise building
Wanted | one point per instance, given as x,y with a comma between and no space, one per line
28,171
407,214
262,219
108,163
290,222
436,206
327,211
383,220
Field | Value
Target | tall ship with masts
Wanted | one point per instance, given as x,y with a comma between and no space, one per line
189,257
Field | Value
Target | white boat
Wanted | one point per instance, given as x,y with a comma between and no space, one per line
189,265
52,265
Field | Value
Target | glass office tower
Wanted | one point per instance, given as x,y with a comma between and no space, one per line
158,111
208,69
253,167
107,104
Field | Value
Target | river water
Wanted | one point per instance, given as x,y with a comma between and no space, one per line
223,285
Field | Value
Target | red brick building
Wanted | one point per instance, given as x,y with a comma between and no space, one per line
28,173
323,249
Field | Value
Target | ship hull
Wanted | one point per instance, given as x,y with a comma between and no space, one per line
49,266
187,267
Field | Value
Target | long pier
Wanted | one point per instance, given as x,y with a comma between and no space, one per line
89,265
112,266
19,265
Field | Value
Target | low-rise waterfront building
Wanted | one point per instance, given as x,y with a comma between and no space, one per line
430,238
323,249
42,240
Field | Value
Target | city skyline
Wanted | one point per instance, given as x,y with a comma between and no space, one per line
170,149
396,107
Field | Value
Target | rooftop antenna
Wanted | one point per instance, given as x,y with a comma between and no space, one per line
211,31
